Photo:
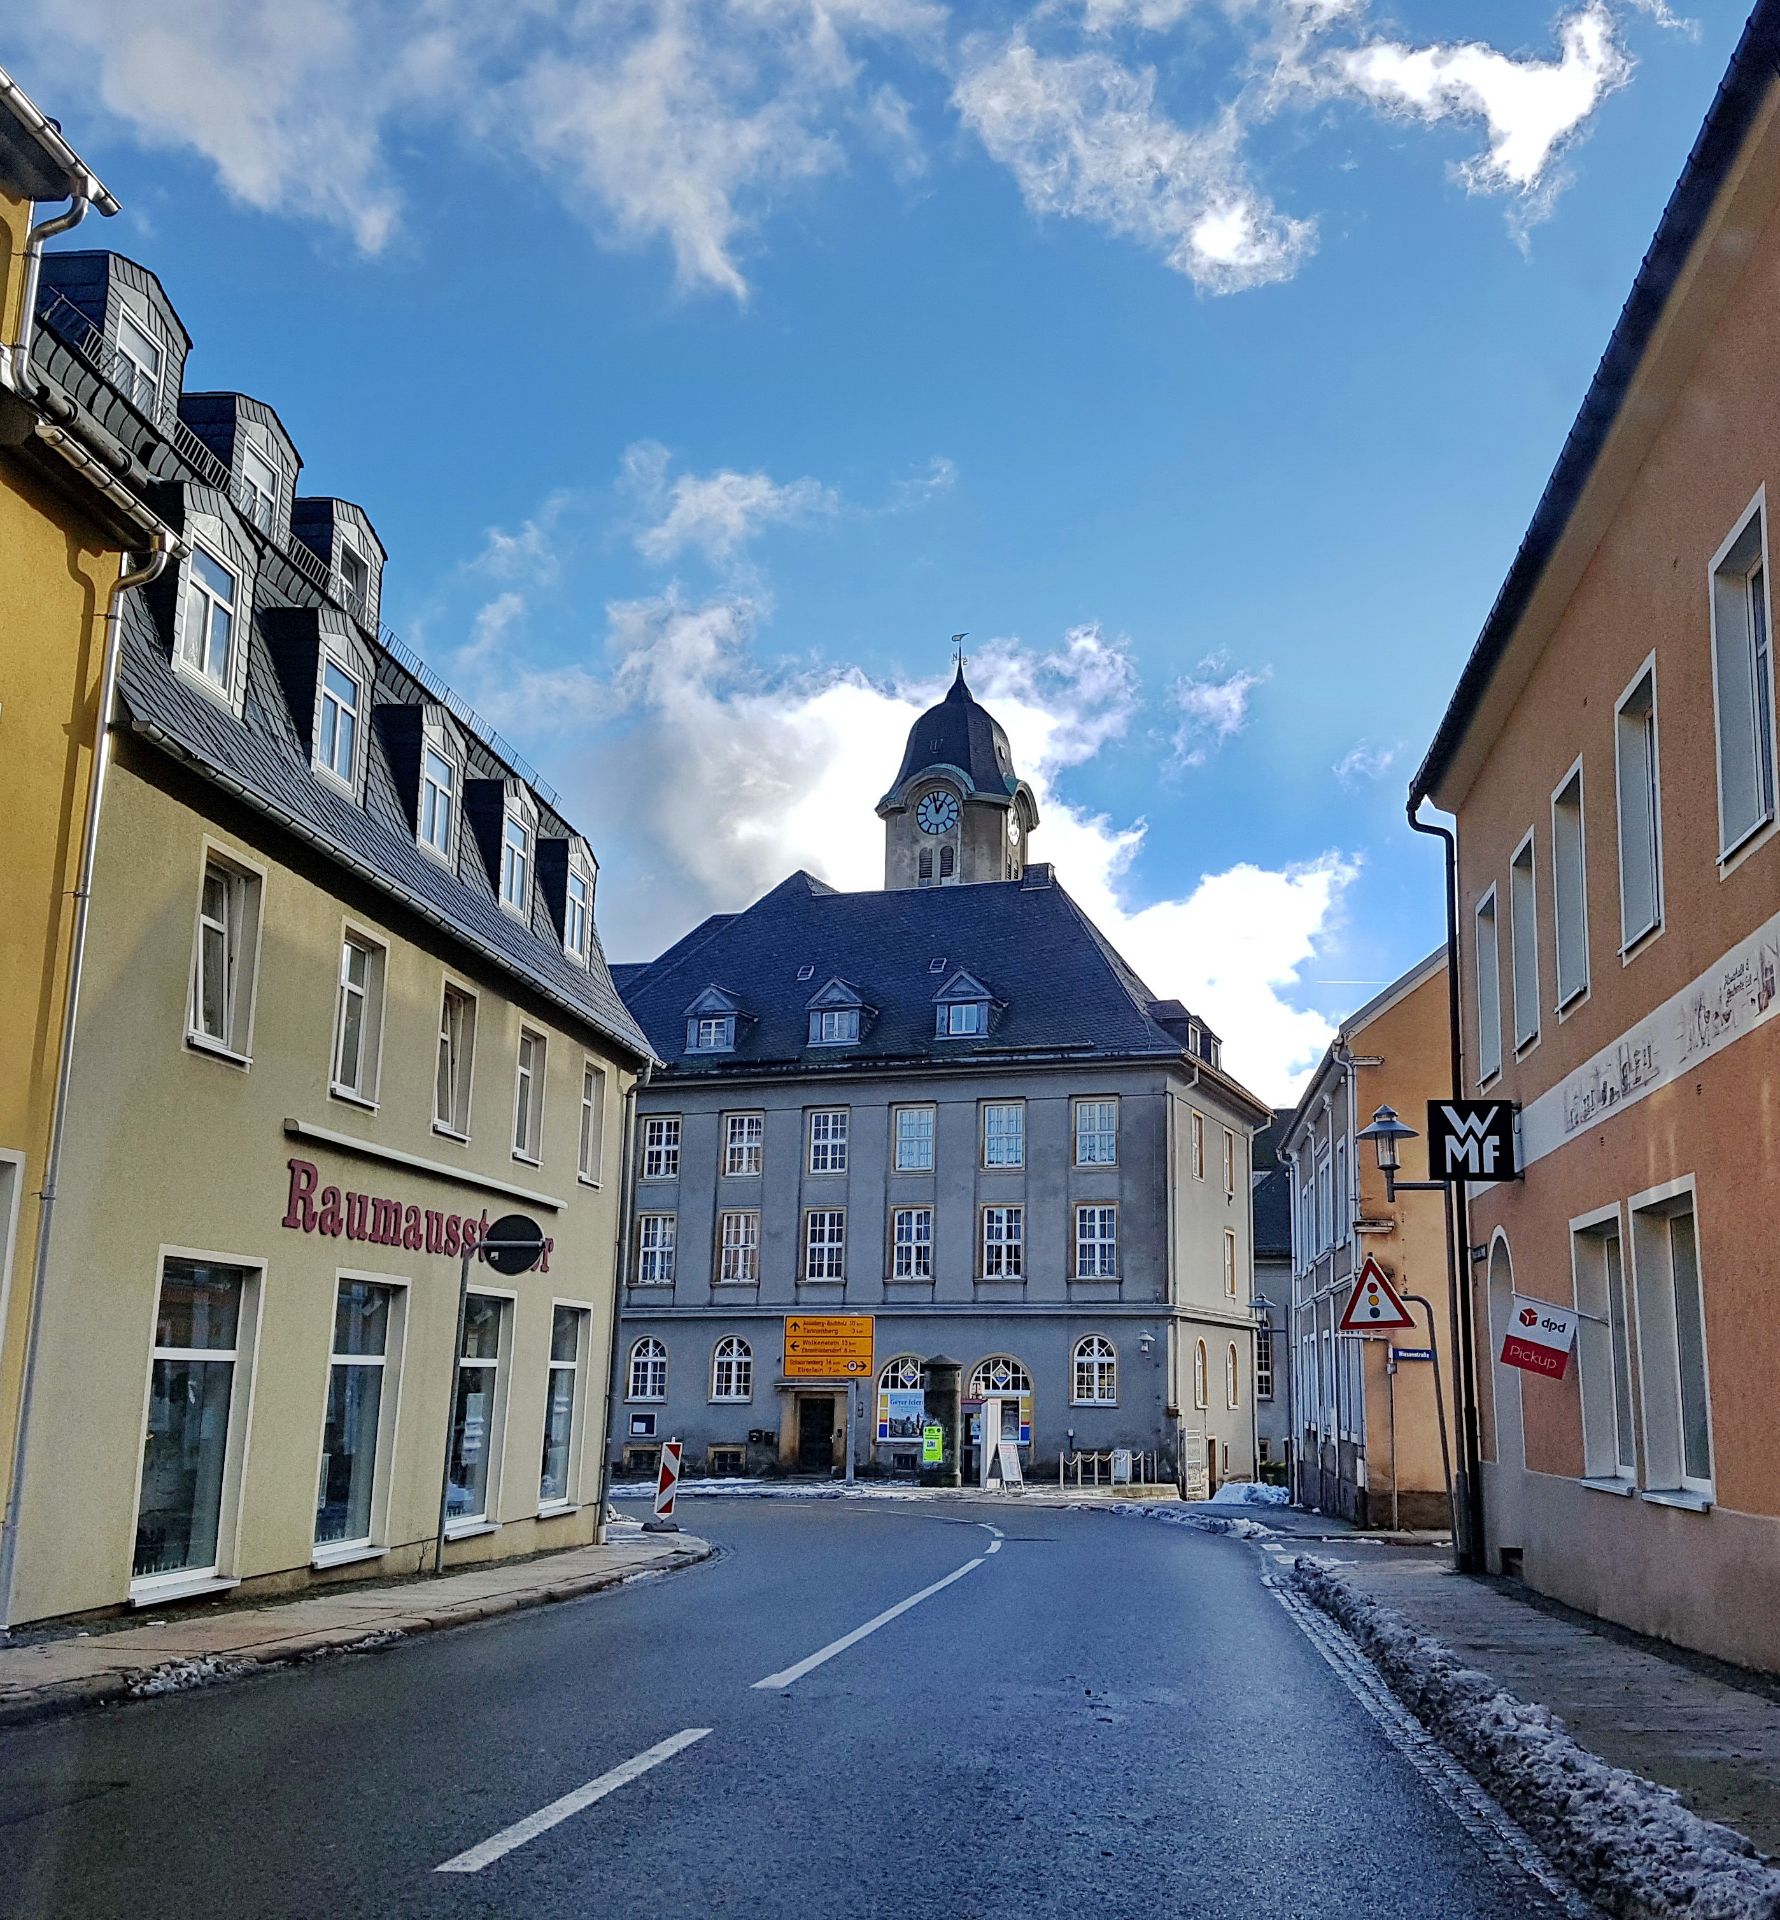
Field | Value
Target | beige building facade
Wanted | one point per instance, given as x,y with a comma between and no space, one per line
1610,759
1367,1441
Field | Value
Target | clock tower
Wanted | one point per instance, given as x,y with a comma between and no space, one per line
956,812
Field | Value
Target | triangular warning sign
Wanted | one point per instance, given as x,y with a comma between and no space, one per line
1376,1306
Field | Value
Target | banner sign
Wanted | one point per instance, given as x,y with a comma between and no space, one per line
1540,1337
1471,1140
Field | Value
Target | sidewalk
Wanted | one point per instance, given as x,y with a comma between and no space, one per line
202,1645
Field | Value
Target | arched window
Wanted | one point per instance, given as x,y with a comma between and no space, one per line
1232,1375
900,1419
948,862
1095,1372
1200,1371
648,1370
904,1372
1003,1378
924,865
1510,1436
732,1370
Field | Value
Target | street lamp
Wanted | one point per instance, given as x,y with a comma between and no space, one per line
1384,1133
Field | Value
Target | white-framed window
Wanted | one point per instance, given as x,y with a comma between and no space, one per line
1604,1349
825,1243
1672,1376
472,1477
646,1378
1523,941
358,1018
1233,1376
517,833
1003,1243
656,1241
1004,1134
911,1243
138,362
355,581
1201,1375
1229,1164
661,1147
1569,887
1094,1373
828,1140
219,1012
438,798
559,1469
732,1370
590,1157
1263,1361
260,488
1639,791
960,1019
1229,1263
191,1448
1342,1193
834,1027
1325,1205
212,604
738,1247
1096,1133
1198,1145
577,915
456,1062
1743,680
342,708
1489,990
711,1033
528,1097
744,1145
1096,1242
914,1139
359,1406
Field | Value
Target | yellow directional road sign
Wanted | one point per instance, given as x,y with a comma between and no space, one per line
831,1346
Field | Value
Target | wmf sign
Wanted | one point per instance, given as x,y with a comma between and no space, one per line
1472,1139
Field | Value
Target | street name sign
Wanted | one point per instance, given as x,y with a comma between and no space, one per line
1472,1140
1539,1337
833,1346
1375,1305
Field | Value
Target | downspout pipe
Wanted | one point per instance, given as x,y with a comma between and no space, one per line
620,1279
1468,1480
164,548
16,361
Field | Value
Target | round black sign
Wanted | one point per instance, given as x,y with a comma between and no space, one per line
515,1243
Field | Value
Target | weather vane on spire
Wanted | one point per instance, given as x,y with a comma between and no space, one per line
958,653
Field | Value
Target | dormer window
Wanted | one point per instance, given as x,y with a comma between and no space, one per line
355,580
963,1018
206,640
139,361
577,918
516,860
834,1027
711,1033
342,708
259,489
438,798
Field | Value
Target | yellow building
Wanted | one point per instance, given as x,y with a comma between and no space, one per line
68,515
343,1007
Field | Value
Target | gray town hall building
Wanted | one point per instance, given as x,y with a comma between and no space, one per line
950,1105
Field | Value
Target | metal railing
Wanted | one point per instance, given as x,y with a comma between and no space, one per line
60,316
1096,1469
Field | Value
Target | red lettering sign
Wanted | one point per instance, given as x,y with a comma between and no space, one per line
1534,1359
373,1217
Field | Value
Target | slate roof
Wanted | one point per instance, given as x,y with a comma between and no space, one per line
1272,1198
960,733
1058,985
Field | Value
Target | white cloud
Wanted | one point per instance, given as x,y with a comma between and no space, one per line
531,551
727,778
1084,137
939,476
1530,107
1365,760
1213,702
715,514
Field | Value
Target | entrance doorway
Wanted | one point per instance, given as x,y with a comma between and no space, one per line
815,1433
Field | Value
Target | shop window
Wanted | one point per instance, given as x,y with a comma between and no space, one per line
358,1408
558,1472
473,1471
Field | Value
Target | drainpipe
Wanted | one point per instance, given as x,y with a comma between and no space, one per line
15,361
620,1276
1468,1481
165,546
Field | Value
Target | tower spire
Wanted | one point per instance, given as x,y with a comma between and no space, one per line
959,656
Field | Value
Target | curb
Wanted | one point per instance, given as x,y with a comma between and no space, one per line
1628,1844
190,1672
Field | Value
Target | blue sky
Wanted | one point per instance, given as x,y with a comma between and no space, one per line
704,367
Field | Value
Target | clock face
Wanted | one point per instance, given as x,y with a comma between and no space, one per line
937,812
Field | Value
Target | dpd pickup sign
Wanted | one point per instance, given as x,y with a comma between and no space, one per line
1539,1337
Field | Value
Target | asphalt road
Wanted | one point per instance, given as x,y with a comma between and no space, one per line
1104,1717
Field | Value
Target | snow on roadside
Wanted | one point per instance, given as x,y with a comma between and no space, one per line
1248,1493
1178,1516
1627,1843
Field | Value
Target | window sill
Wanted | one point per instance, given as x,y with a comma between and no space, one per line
1523,1047
558,1509
352,1099
822,1280
651,1286
744,1286
327,775
1577,1000
450,1133
583,1180
1734,855
1631,949
908,1279
345,1553
527,1159
161,1588
1093,1279
202,1043
1609,1483
471,1529
1682,1497
1105,1406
